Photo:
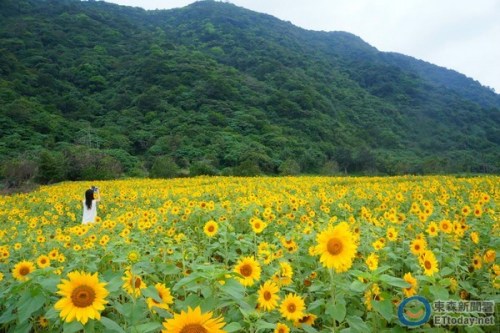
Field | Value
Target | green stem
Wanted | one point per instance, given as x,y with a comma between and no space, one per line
226,254
332,294
255,244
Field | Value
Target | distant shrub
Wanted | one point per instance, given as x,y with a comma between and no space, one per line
247,168
289,167
19,171
164,167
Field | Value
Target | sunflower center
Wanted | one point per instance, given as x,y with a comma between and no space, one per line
193,328
246,270
137,283
267,295
427,264
257,225
43,261
24,270
334,246
211,228
291,308
83,296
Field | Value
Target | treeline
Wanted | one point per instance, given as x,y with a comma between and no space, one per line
91,90
83,163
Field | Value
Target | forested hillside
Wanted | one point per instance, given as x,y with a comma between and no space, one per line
90,90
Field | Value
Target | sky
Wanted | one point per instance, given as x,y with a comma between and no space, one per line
463,35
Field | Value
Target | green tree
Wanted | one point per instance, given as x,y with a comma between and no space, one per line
164,167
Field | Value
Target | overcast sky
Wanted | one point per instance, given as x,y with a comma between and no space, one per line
463,35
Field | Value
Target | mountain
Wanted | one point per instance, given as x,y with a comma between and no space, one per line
96,90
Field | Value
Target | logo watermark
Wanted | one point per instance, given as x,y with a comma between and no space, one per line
417,310
414,311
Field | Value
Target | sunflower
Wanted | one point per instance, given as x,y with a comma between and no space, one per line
466,210
257,225
307,319
478,211
133,256
54,254
22,269
453,284
337,247
432,229
43,322
281,328
392,234
445,226
43,261
210,229
477,262
163,300
489,256
429,263
474,237
283,277
372,261
378,245
418,246
412,290
268,296
249,268
133,284
83,297
371,294
292,307
193,321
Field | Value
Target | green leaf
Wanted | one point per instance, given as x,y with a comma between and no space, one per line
233,327
187,281
8,315
50,283
111,325
24,328
51,313
336,310
148,327
28,307
152,293
114,284
439,292
169,269
234,289
308,328
385,308
394,281
316,304
357,324
72,327
446,271
357,286
261,325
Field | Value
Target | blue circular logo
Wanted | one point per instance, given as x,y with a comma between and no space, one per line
414,311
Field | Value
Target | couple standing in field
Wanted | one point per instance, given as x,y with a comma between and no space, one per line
92,197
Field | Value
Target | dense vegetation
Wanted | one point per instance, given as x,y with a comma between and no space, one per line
95,90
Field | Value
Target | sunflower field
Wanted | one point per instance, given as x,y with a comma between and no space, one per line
224,254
